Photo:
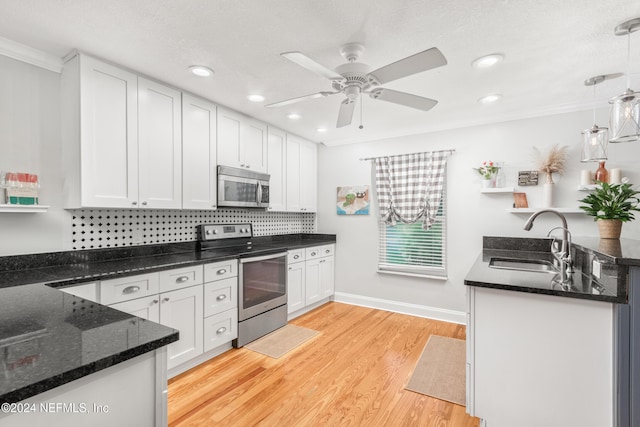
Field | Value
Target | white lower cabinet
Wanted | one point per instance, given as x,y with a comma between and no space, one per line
310,277
220,329
183,310
146,308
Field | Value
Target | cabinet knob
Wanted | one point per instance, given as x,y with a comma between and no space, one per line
130,290
296,256
221,330
134,203
221,271
326,251
165,299
144,203
322,260
248,166
290,268
242,165
182,279
155,301
221,297
313,253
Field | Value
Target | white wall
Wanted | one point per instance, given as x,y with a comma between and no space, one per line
471,214
30,142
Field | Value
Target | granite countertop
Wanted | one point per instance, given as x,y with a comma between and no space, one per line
609,287
49,338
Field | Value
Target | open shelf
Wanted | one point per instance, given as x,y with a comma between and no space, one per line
532,210
23,208
497,190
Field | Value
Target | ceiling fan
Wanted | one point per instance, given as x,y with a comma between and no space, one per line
355,78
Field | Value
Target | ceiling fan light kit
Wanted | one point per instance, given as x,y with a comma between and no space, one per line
487,60
354,78
625,108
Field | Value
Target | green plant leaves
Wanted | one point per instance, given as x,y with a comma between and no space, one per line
612,201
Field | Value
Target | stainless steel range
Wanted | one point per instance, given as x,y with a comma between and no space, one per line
262,279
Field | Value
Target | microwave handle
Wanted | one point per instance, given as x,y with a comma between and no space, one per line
259,194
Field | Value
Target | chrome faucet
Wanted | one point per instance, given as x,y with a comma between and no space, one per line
562,254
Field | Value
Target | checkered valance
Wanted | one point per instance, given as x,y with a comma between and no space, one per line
409,186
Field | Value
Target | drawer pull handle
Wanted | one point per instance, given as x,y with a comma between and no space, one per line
221,271
313,253
326,251
221,330
221,297
166,299
182,279
130,290
296,256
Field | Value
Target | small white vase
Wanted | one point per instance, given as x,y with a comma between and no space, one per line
488,183
547,194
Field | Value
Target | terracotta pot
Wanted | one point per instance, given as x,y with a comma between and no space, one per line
610,228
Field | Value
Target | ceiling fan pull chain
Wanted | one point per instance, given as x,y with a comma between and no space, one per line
360,127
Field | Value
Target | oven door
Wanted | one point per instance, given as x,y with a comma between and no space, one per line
262,284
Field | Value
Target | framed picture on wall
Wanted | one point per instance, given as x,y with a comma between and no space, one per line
353,200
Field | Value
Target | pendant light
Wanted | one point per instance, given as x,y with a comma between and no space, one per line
595,140
625,109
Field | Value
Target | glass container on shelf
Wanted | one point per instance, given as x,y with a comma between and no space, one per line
501,177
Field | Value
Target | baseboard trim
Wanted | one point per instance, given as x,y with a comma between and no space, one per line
435,313
189,364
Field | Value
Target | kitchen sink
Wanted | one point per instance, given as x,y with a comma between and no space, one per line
534,265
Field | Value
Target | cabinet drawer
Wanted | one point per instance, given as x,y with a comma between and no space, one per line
220,329
221,295
319,251
296,255
179,278
128,288
220,270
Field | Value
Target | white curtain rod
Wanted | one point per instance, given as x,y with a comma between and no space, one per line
437,151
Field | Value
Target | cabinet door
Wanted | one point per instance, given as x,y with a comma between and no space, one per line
183,310
327,281
198,153
254,145
108,135
295,287
276,161
293,174
308,176
229,137
146,308
159,146
312,289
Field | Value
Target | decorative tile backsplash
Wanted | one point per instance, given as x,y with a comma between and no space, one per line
107,228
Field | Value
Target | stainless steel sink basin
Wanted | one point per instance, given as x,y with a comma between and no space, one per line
534,265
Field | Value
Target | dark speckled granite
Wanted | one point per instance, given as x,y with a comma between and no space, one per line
609,287
49,338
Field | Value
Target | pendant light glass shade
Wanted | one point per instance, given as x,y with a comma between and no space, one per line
594,144
625,109
625,117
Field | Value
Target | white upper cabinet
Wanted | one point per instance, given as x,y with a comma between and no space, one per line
242,141
159,146
100,131
121,138
301,175
276,162
198,153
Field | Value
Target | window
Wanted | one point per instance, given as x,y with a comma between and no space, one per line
408,249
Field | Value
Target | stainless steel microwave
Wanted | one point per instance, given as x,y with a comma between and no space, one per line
242,188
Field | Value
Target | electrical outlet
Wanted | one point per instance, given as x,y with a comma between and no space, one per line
595,268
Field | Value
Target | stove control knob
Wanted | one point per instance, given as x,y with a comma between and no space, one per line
208,232
215,231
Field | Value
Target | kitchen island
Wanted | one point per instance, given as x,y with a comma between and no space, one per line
539,353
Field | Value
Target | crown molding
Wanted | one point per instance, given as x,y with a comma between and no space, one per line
30,55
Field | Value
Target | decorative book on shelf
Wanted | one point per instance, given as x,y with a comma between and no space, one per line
520,200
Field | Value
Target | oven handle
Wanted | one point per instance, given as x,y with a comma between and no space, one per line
262,258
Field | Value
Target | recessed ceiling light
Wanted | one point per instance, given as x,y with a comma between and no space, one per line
490,98
255,98
487,60
321,130
201,70
294,116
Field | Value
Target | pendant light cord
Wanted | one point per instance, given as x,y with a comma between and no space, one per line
629,60
594,104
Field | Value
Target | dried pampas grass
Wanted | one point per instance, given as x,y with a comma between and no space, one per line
554,161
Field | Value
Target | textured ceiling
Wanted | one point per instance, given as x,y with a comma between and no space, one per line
550,48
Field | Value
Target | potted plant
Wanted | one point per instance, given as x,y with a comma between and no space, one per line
488,170
611,205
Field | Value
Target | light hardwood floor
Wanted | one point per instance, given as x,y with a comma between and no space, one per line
352,374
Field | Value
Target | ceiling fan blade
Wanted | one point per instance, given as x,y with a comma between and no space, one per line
403,98
311,65
346,112
300,98
423,61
